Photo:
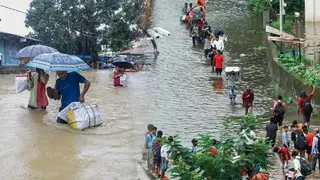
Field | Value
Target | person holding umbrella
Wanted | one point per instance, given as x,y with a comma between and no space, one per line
37,87
67,86
116,76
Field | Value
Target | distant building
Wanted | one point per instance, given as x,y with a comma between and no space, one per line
10,44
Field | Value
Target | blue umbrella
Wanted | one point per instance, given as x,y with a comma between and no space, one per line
30,52
122,63
58,62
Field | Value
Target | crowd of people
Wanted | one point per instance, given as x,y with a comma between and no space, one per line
303,144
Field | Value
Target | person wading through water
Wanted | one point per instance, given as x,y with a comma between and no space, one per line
68,87
279,110
305,107
247,98
37,87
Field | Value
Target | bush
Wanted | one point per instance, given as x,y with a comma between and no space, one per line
234,154
286,27
259,5
310,74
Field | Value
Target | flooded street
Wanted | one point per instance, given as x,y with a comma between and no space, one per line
177,93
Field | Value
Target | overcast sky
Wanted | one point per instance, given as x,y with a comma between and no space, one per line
12,21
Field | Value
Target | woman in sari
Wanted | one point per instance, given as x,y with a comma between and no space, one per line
116,76
37,87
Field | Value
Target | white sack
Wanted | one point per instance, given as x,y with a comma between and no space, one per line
21,83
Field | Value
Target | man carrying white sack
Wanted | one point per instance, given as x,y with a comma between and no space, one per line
68,87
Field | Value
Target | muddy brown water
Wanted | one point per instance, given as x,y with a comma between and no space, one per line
177,93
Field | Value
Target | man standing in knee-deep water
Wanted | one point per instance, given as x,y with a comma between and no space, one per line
68,86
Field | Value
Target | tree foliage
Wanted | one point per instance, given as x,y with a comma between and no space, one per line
81,26
234,153
292,5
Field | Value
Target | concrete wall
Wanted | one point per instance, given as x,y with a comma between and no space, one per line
312,10
291,84
312,36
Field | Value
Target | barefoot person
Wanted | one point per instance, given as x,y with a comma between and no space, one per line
37,87
68,87
305,107
247,98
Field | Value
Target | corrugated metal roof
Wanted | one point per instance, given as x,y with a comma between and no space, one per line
32,39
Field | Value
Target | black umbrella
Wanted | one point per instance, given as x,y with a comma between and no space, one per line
123,63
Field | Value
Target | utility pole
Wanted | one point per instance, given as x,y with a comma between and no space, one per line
297,15
281,20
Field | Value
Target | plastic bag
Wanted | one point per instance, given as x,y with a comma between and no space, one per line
81,116
123,79
84,116
21,83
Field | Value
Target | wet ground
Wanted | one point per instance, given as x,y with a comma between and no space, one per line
177,93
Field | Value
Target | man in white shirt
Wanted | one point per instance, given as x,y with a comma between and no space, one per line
1,59
219,44
297,166
315,150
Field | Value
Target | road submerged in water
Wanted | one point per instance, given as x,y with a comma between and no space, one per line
177,93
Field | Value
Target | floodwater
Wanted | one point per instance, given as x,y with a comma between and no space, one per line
177,93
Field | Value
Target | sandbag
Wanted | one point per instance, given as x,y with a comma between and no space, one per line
83,116
21,83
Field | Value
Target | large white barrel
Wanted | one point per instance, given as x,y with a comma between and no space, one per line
153,33
162,31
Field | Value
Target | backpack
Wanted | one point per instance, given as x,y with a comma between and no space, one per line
152,140
279,109
305,168
307,107
157,152
301,142
318,144
197,14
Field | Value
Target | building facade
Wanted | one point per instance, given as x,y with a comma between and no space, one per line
10,44
312,10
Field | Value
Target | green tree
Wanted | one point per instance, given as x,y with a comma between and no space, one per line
81,26
234,153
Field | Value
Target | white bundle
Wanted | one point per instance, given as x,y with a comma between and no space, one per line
21,83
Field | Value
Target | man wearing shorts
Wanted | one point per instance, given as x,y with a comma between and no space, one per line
302,102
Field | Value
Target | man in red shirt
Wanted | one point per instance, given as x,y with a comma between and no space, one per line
284,155
309,138
304,104
218,61
247,99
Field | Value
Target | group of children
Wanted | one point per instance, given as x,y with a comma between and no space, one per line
156,152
